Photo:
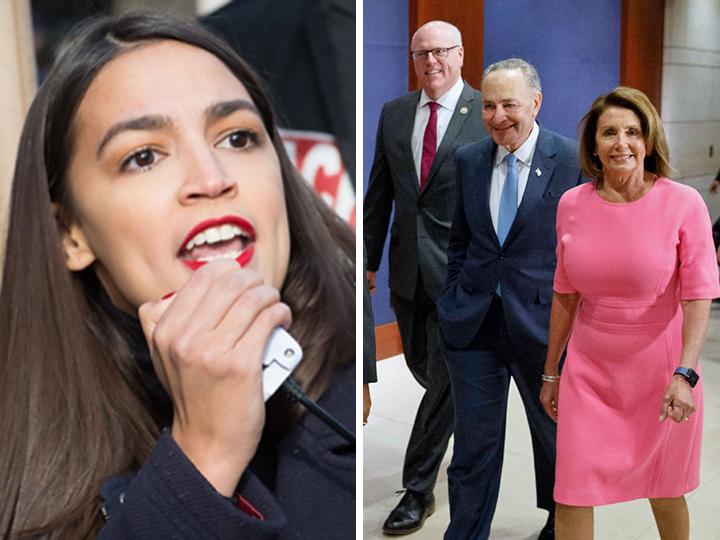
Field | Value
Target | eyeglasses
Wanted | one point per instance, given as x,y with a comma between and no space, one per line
439,52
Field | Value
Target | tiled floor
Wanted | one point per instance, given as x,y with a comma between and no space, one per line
394,400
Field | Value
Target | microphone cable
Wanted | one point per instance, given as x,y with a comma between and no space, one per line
295,393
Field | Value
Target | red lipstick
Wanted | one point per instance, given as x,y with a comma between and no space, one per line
248,235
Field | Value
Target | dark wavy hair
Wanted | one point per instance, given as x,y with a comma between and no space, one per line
657,158
74,411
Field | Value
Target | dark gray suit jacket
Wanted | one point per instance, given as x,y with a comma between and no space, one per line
421,226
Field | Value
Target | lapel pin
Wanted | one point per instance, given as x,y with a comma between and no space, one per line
463,110
538,172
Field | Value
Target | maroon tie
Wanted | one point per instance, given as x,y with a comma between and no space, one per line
429,144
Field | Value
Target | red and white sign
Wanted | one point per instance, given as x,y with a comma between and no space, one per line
318,159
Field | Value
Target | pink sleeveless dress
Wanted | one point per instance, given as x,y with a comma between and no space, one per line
632,264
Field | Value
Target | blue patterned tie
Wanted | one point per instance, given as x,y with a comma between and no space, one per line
508,204
508,199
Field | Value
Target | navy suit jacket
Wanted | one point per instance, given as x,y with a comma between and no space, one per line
312,496
525,264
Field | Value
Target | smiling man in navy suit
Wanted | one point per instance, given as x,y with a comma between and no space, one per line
495,310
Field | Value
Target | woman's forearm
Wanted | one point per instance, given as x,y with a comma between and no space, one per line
694,329
562,315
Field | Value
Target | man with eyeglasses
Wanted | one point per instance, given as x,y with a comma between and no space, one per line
495,310
414,170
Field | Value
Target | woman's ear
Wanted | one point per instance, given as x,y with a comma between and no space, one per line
78,254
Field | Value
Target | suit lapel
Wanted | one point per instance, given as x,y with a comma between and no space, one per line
462,111
479,189
541,171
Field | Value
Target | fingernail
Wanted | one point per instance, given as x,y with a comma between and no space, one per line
168,295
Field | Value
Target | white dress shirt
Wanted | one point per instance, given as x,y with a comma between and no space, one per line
524,156
445,110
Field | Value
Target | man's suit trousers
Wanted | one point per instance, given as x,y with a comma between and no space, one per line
480,378
422,344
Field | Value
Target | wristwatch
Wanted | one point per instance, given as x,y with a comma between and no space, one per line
689,374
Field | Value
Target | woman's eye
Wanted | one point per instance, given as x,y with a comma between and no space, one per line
239,140
142,160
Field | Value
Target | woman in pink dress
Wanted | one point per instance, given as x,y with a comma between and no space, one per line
636,270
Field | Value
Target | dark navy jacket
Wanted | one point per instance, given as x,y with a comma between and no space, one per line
311,494
525,264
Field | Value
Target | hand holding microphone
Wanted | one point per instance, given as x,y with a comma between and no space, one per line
207,344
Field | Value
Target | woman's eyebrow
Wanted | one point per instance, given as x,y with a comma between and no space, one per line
215,111
147,122
219,110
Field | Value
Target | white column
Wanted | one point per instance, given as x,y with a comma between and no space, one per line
691,92
17,88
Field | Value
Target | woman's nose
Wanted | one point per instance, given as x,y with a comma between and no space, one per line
205,177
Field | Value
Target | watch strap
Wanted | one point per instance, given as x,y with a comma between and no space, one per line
689,374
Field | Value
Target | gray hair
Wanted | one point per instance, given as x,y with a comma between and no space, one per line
532,79
451,28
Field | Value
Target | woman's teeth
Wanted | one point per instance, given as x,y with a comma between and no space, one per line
232,255
213,235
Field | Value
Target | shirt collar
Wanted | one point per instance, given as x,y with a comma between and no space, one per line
449,99
524,154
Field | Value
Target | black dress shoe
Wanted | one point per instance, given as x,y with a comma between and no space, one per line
410,513
548,531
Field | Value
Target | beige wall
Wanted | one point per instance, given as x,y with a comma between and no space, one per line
17,87
691,92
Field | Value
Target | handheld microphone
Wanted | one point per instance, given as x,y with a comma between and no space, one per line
281,356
